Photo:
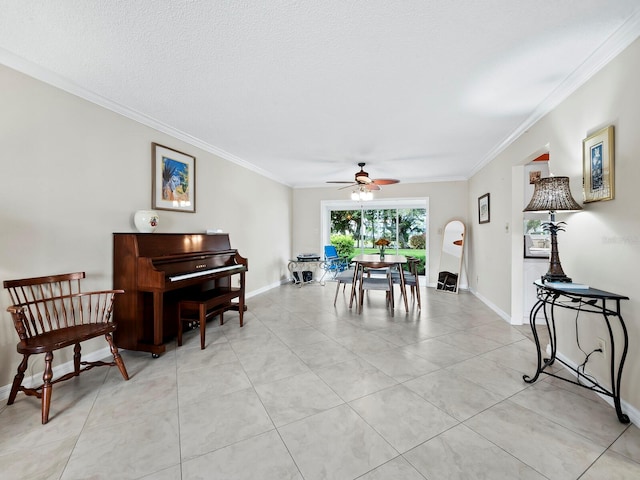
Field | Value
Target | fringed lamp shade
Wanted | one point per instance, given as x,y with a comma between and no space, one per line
552,194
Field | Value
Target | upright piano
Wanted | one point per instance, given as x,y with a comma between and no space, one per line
157,270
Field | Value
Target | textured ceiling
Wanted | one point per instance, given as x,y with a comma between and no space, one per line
302,91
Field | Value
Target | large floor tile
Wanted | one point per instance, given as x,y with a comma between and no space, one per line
437,352
201,384
402,417
323,354
215,423
19,464
453,394
400,364
335,445
629,444
470,343
264,342
142,366
355,378
296,397
190,357
498,331
396,469
153,396
461,454
171,473
490,376
612,466
520,356
364,343
590,418
261,457
304,335
126,450
401,335
549,448
21,423
271,366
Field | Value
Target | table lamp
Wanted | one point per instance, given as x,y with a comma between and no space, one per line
552,194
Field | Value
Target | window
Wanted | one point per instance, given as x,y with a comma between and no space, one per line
403,222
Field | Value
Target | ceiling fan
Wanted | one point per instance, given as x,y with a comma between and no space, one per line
363,180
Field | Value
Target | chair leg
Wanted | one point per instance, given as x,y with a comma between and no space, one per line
47,386
76,359
17,380
116,356
335,299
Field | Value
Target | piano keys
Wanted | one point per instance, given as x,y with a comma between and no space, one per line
186,276
157,270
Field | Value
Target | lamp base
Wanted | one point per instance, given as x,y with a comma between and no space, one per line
555,277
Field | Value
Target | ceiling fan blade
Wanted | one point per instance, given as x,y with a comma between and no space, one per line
371,186
351,182
385,181
351,185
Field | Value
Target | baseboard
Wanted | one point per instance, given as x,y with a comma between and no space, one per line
58,370
504,315
632,412
266,288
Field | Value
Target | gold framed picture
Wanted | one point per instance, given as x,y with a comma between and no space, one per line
597,166
173,184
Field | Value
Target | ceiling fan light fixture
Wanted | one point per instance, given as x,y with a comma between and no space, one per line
362,194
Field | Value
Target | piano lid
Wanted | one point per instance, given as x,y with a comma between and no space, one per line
154,245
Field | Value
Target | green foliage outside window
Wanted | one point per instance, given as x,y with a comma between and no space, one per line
344,245
418,241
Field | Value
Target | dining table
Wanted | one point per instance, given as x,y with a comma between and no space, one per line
377,261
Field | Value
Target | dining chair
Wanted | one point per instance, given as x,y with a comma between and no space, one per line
411,279
344,278
382,283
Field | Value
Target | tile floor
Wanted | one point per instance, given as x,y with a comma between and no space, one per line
308,391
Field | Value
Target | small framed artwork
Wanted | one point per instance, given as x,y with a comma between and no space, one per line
484,209
597,166
173,184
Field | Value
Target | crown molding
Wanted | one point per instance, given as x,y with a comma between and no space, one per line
22,65
610,48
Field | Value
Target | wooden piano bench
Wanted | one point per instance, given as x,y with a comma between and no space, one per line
202,308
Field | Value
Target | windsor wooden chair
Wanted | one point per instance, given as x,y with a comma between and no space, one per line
50,313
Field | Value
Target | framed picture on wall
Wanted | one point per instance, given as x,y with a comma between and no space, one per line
173,184
597,166
484,212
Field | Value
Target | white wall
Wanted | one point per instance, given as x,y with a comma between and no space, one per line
74,173
447,201
601,246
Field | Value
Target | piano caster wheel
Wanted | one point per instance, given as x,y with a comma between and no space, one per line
155,355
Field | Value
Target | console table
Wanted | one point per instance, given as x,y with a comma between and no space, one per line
582,300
